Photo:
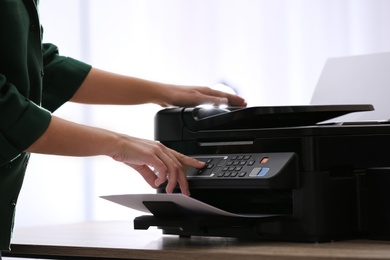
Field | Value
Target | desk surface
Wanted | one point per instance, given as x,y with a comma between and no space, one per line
118,240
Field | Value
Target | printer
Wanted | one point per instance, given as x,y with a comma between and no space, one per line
292,164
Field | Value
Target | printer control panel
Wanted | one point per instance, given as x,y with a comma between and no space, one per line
241,166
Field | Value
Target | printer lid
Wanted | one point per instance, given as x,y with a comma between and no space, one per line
204,118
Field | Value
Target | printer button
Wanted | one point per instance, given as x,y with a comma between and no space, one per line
250,163
200,171
209,166
263,172
234,174
227,174
255,172
242,174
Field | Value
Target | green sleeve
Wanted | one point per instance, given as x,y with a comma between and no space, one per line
22,122
63,76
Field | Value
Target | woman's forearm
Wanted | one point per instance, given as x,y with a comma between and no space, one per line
68,138
101,87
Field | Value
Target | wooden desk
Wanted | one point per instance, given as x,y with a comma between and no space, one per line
118,240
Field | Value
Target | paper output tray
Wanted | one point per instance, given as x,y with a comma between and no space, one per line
168,216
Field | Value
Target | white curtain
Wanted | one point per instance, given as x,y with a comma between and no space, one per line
270,51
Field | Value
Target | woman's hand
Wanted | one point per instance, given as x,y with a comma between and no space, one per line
167,164
188,96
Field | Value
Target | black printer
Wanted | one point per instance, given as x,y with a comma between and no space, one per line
309,175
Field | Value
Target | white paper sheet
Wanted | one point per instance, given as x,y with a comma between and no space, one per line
187,204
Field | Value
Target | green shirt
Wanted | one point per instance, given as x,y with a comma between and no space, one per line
34,81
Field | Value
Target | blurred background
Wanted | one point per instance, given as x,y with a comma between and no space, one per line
270,51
